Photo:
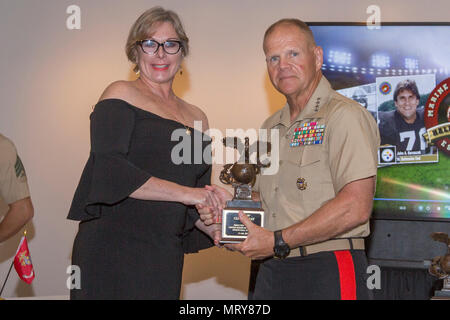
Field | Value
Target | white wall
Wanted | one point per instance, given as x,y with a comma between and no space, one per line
51,77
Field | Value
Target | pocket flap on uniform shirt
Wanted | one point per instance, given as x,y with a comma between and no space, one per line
311,154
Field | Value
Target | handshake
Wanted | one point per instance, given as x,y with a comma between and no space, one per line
209,202
259,241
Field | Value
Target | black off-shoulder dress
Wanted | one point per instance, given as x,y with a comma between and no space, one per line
128,248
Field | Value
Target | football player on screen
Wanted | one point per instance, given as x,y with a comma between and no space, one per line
404,127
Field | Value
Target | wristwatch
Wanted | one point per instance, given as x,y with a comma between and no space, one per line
280,248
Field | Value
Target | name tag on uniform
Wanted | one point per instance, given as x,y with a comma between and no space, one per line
308,134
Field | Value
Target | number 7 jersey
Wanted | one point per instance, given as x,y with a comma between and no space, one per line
406,137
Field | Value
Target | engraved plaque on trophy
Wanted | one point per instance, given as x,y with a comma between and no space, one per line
242,177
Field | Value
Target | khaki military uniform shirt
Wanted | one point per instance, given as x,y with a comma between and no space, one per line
332,142
13,180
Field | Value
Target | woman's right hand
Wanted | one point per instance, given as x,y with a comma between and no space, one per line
164,190
209,215
199,196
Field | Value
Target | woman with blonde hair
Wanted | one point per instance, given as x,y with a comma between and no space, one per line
135,203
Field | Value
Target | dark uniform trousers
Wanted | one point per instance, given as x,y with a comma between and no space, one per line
329,275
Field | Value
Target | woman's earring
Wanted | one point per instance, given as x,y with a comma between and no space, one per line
181,71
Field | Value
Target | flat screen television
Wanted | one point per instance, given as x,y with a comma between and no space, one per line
371,65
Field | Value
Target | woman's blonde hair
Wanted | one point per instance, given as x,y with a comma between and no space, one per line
144,26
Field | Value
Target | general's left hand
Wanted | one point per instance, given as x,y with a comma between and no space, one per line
259,243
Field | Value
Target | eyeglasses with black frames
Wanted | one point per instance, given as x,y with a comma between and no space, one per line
150,46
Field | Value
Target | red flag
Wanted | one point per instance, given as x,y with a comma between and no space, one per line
22,262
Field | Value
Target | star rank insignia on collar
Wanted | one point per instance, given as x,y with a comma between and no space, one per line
317,106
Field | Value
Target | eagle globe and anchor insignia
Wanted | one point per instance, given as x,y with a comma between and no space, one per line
301,184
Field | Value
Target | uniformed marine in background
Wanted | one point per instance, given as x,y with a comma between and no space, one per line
16,208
